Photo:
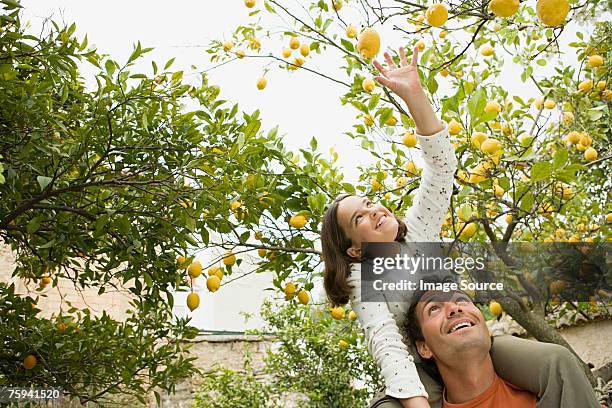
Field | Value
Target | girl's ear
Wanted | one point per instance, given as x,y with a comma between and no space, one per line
354,252
423,350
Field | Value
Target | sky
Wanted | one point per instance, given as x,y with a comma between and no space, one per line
302,104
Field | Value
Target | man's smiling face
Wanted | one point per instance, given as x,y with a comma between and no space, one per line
450,323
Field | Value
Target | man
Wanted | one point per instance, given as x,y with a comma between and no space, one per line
449,333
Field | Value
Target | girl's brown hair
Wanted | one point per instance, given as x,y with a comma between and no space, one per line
334,243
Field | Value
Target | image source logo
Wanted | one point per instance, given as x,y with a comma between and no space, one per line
538,271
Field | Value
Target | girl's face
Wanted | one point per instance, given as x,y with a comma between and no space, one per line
363,221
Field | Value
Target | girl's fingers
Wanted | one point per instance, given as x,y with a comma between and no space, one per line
380,68
383,81
402,57
389,60
415,54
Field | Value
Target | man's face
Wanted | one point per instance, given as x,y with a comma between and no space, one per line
364,221
450,323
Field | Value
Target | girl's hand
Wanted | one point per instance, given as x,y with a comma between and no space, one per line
403,80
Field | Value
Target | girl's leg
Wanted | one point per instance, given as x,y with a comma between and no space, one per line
548,370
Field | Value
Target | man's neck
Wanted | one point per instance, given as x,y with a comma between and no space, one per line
467,377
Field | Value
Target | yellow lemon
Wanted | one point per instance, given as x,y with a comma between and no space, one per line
195,269
585,86
601,85
261,83
262,252
409,139
294,43
368,85
539,103
595,61
29,362
401,182
303,297
299,61
351,31
508,218
498,191
444,72
468,231
338,312
353,316
213,283
240,53
182,261
454,127
369,43
548,104
568,117
391,121
492,106
590,154
227,45
490,146
235,205
609,217
289,290
477,138
487,50
495,308
411,168
573,137
420,45
442,34
552,12
305,50
463,176
585,139
193,301
298,221
286,52
343,344
437,14
249,3
229,258
504,8
337,4
368,120
375,184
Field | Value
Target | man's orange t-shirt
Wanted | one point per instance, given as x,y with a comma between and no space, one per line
500,394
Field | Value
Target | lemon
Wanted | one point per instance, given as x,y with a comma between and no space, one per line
337,4
193,301
401,182
289,290
368,120
303,297
338,312
213,283
490,146
353,316
369,43
601,85
351,31
375,184
305,50
182,261
498,191
454,127
294,43
228,45
595,61
299,61
29,362
548,104
298,221
409,139
261,252
235,205
249,3
286,52
411,168
508,218
538,103
420,45
504,8
261,83
477,138
444,72
240,54
495,308
568,117
229,258
437,14
215,270
463,176
609,217
552,12
195,269
368,85
590,154
391,121
468,231
585,139
492,106
486,50
46,279
442,34
254,43
343,344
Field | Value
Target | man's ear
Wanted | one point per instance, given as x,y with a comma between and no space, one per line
354,252
423,350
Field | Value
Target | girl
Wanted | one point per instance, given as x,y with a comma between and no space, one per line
549,371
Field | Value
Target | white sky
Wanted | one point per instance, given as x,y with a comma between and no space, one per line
301,103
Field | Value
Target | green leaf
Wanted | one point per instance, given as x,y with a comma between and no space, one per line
560,158
540,171
476,103
527,202
43,181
